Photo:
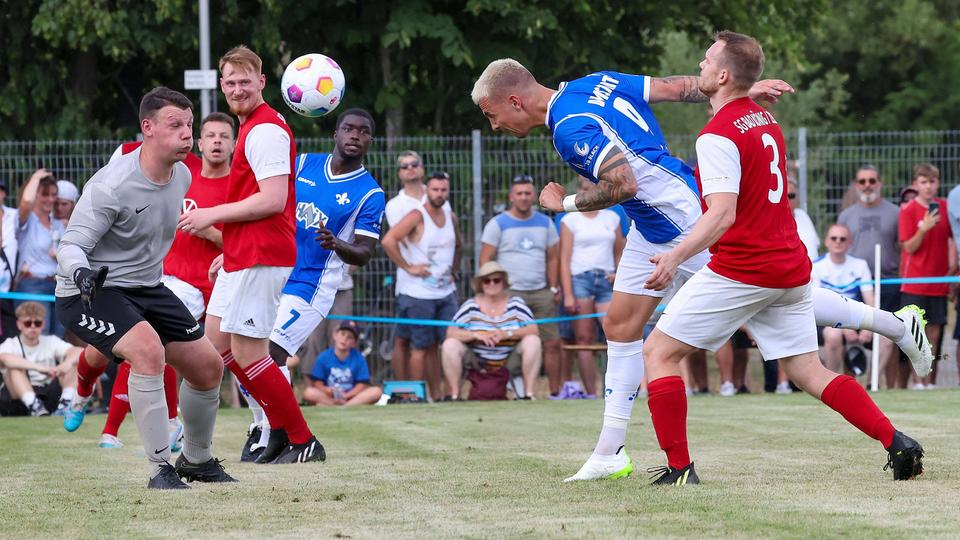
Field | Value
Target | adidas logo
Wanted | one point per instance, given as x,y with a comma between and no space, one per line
249,322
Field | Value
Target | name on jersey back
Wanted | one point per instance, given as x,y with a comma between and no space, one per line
752,120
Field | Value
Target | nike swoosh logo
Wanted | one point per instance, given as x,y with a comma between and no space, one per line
161,450
142,209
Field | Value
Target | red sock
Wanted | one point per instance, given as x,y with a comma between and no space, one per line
87,375
268,381
119,402
170,389
845,395
273,416
667,401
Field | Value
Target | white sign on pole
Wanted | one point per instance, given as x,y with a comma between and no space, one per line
199,79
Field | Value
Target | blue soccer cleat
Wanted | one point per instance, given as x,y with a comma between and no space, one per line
74,413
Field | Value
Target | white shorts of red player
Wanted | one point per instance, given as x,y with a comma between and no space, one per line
187,293
246,300
709,308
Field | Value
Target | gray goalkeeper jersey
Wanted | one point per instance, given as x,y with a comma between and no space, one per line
123,221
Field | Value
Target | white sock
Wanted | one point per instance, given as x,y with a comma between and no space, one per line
286,372
68,393
28,398
621,382
264,435
834,310
885,323
252,403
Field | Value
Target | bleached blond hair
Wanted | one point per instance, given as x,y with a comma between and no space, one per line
501,76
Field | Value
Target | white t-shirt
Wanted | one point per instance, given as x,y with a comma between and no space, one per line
49,352
808,233
593,240
10,224
840,277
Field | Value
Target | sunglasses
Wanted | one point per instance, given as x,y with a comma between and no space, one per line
410,165
32,323
791,196
489,280
865,181
838,238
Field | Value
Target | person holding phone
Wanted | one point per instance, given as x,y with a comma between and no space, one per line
927,250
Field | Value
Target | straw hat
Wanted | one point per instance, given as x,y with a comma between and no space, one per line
489,268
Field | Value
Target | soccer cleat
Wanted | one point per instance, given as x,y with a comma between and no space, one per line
275,446
311,450
905,457
167,478
666,475
600,467
74,414
250,453
109,441
62,406
37,409
176,435
914,342
727,389
209,471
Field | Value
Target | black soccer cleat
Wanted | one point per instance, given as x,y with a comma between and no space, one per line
167,478
253,438
905,457
666,475
275,446
209,471
311,450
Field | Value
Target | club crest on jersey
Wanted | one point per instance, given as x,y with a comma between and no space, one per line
581,148
310,215
342,198
189,205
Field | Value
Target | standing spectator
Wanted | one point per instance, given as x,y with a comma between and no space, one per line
953,213
425,246
525,242
590,247
497,327
53,386
38,235
840,272
340,375
8,262
67,195
806,230
926,240
871,221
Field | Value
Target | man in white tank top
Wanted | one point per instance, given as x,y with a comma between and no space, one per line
425,246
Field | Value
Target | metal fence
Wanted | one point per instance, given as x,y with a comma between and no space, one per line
481,168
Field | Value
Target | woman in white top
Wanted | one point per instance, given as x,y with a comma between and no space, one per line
590,248
38,234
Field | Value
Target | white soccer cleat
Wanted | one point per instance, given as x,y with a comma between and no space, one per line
914,342
599,467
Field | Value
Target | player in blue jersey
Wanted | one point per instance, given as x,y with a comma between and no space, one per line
339,209
603,127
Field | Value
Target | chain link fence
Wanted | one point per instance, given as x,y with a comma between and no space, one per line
481,168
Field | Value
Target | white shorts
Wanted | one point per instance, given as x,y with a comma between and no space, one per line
187,293
246,300
635,266
297,318
709,308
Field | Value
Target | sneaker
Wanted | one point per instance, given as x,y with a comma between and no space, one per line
109,441
599,467
37,409
62,406
905,457
666,475
209,471
311,450
167,478
275,446
784,388
930,386
571,390
727,389
914,342
176,435
74,414
250,453
584,395
743,390
919,386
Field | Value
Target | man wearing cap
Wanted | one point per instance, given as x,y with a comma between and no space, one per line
67,195
340,375
527,244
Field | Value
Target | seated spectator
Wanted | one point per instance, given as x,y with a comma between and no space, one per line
340,375
841,272
492,338
67,195
38,234
40,372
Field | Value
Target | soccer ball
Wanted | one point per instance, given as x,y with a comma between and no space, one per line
313,85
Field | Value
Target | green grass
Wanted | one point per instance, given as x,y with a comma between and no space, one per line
771,466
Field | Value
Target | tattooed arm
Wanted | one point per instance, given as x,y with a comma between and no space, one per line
676,88
616,184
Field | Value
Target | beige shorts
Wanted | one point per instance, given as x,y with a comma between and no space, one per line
543,305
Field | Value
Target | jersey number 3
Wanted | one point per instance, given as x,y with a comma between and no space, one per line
774,195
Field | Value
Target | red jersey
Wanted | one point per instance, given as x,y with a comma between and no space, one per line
741,150
190,256
930,259
270,241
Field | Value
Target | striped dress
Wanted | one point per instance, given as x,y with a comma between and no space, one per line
516,313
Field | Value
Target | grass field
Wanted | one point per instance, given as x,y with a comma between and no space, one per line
771,466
